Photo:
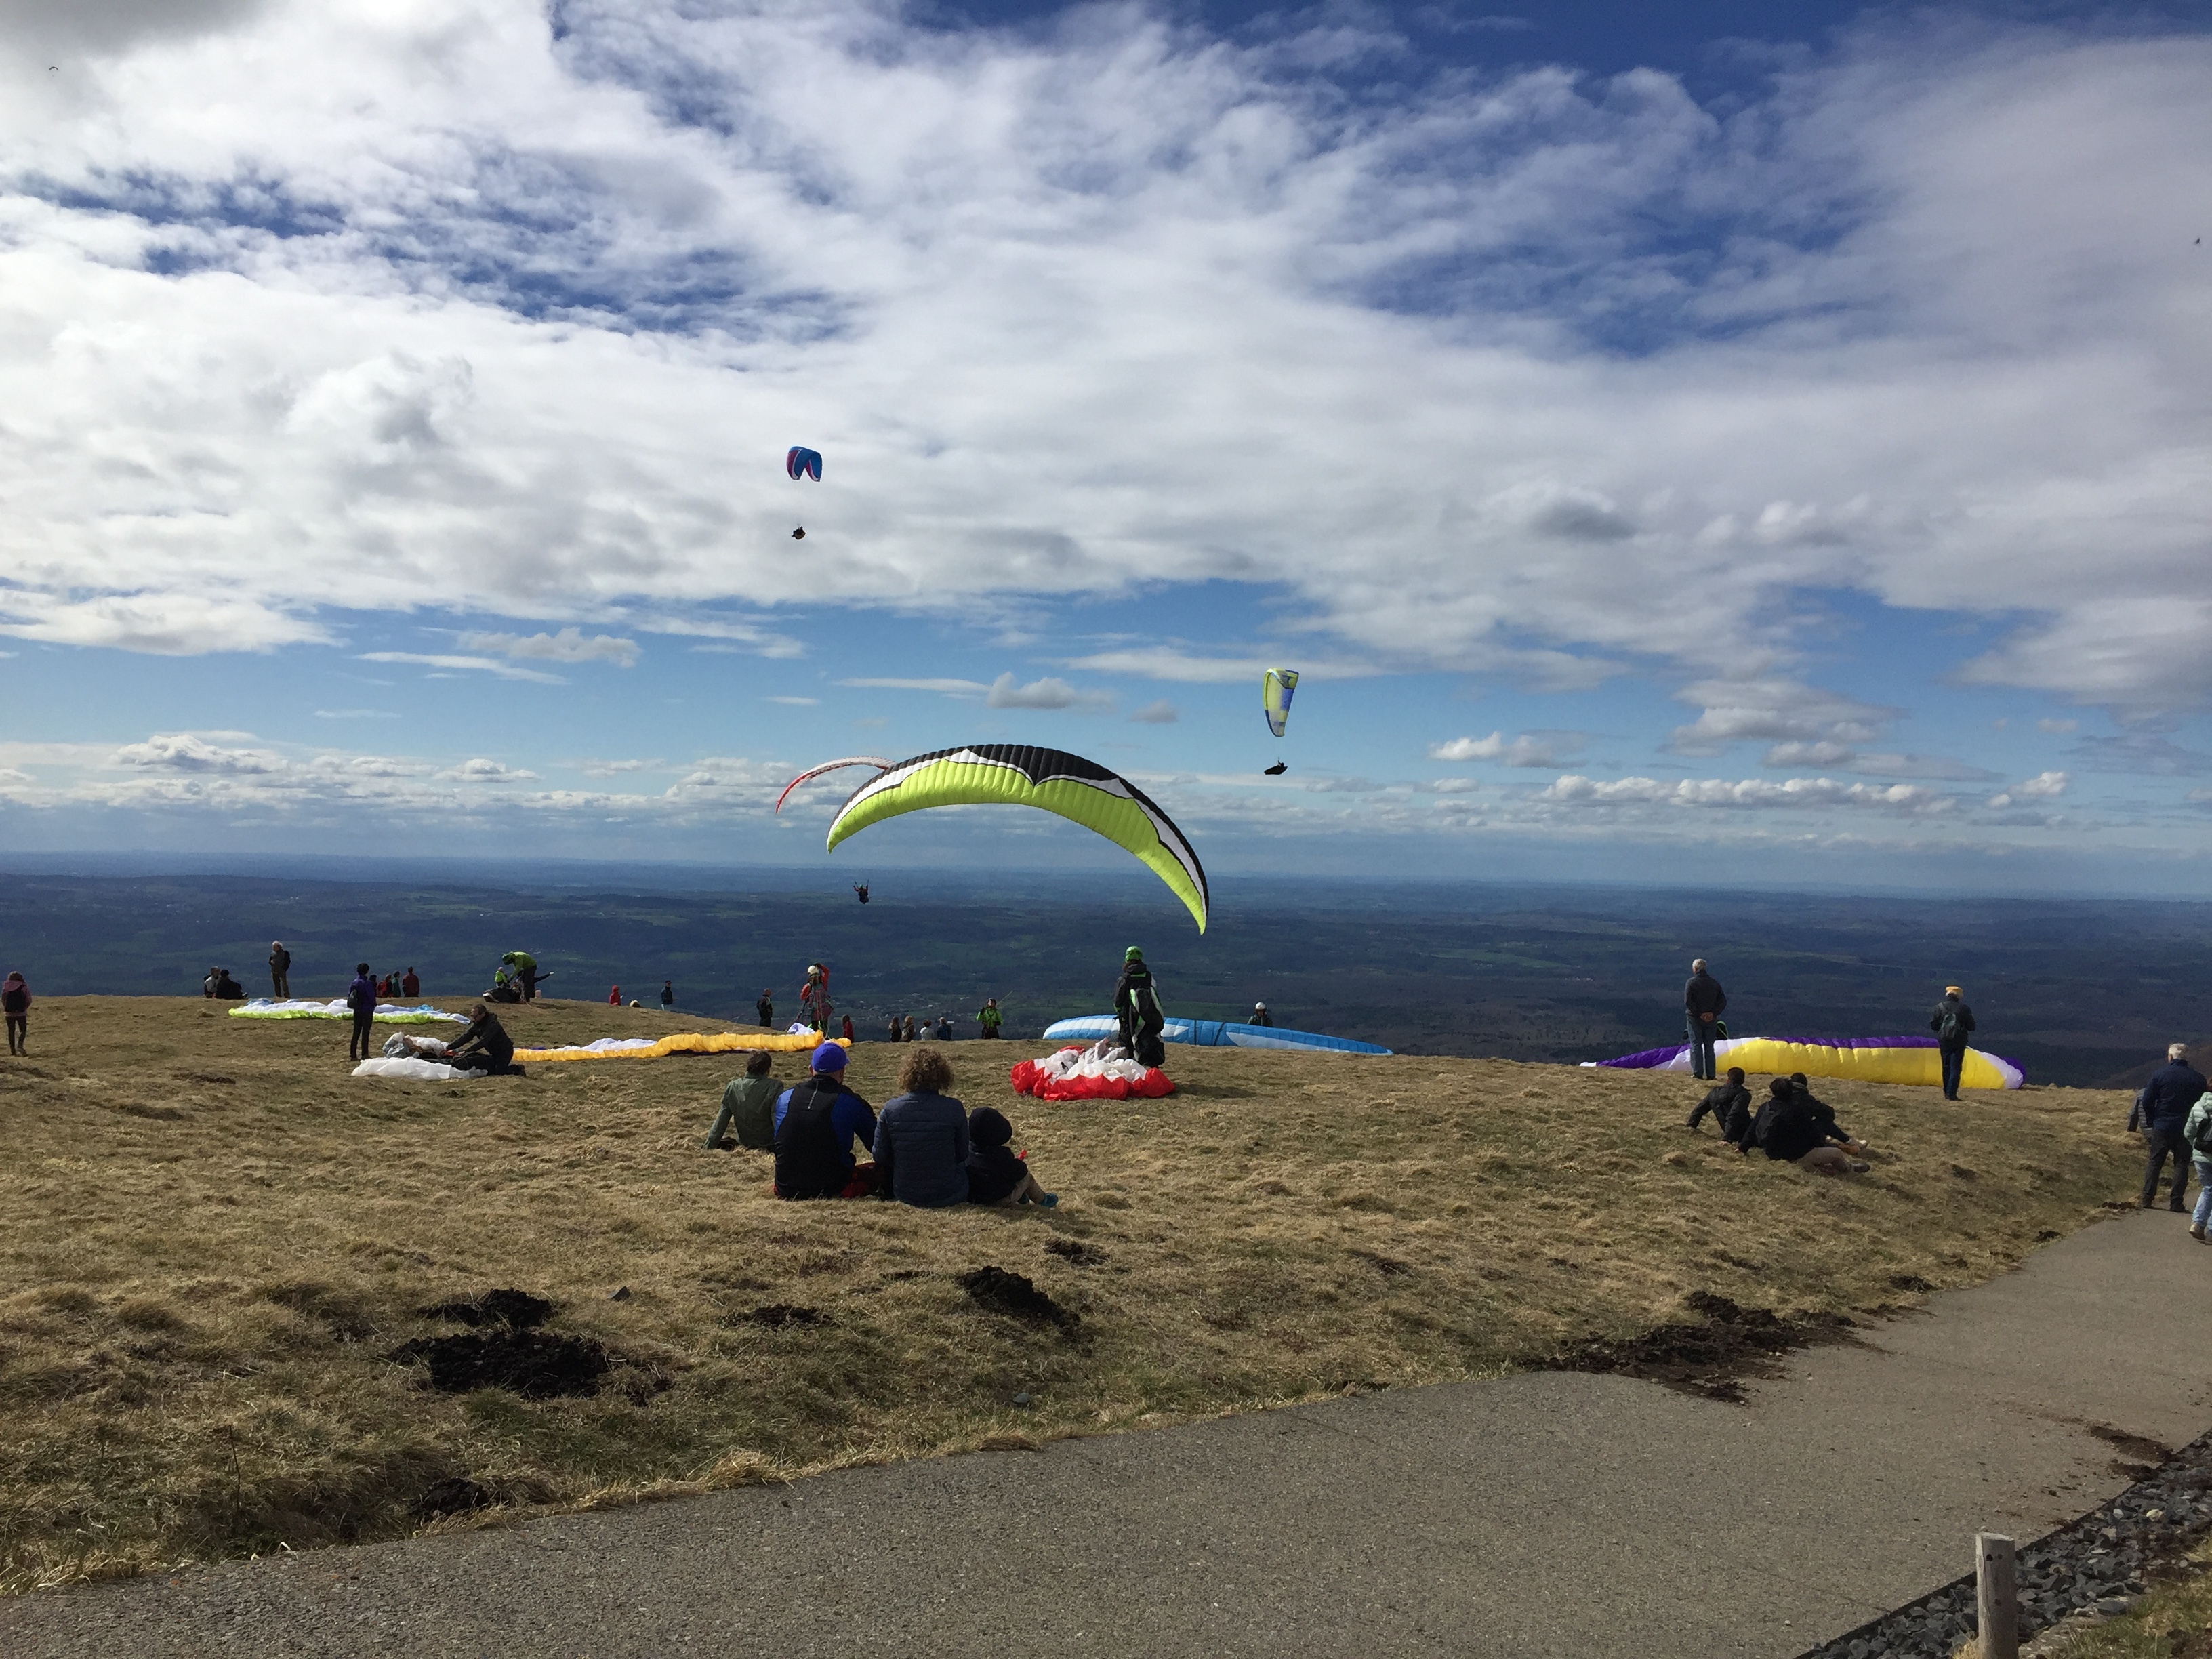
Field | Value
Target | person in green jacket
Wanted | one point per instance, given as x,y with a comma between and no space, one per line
525,970
748,1104
989,1018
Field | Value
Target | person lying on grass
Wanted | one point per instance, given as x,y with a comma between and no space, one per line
995,1175
1724,1100
748,1107
1795,1128
921,1138
817,1125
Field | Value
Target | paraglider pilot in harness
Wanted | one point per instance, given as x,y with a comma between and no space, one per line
1137,1006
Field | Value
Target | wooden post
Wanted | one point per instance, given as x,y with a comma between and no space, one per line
1996,1597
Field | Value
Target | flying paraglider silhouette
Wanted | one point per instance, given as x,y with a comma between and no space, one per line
1276,686
860,891
800,462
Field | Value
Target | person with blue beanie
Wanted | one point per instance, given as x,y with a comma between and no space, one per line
817,1127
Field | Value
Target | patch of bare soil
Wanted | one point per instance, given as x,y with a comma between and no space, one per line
1710,1356
1015,1296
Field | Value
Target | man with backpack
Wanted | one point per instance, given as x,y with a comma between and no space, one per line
2174,1089
1952,1022
1136,1008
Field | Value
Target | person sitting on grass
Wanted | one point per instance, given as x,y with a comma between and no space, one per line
995,1175
1721,1100
748,1107
817,1125
410,986
921,1138
484,1046
1795,1128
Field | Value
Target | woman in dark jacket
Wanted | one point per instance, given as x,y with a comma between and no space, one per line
921,1136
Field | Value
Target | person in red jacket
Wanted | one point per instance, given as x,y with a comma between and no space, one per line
614,996
408,985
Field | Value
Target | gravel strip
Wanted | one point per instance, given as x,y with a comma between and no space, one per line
2096,1565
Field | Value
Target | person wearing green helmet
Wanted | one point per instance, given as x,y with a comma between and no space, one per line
1137,1006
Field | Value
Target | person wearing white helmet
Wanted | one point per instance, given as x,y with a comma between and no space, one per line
1259,1015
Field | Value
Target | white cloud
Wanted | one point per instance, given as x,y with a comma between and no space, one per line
2044,786
315,308
570,644
950,687
1542,750
2057,725
1748,794
186,752
481,664
1048,693
486,771
1161,713
796,702
616,769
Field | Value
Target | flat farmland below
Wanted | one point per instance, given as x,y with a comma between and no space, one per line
220,1249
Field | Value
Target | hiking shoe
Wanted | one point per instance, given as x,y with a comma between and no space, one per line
1048,1201
1860,1166
2197,1233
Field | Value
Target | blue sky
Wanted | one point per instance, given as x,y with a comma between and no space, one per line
1667,448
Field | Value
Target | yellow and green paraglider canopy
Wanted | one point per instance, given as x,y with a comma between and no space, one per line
1276,688
1051,779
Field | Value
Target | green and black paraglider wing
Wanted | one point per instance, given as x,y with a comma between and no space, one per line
1051,779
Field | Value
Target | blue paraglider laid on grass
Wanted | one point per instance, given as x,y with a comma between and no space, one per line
1211,1034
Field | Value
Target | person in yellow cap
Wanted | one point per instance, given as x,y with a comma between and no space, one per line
1952,1022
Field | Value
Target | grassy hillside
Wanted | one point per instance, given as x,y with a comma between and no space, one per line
215,1239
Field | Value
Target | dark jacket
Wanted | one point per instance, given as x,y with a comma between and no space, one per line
1261,1017
1137,998
1961,1018
1737,1128
816,1124
994,1171
1704,995
1721,1100
489,1036
1792,1127
2172,1090
362,994
921,1149
15,998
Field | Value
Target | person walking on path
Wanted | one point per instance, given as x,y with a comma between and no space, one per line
747,1104
2197,1130
1952,1022
280,971
15,1003
766,1009
921,1137
360,997
2174,1089
1704,1002
990,1019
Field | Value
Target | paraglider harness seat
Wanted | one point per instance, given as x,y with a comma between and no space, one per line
1137,1006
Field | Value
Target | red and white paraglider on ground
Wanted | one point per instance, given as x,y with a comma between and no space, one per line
1101,1072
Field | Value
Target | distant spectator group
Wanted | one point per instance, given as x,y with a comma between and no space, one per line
1792,1126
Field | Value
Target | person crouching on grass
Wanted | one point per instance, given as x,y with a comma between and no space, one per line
995,1175
817,1125
921,1138
1794,1127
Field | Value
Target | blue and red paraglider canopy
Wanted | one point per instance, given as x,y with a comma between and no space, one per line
803,463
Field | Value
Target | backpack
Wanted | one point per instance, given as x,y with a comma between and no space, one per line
1953,1030
2200,1142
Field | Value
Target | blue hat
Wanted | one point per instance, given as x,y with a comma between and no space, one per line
829,1057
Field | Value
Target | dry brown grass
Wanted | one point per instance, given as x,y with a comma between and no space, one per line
213,1236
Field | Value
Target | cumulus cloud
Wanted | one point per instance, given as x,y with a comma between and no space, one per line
2044,786
486,771
1781,711
185,752
1161,713
1048,693
1531,750
570,644
1747,794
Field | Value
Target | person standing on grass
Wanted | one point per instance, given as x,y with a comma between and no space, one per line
360,997
2174,1089
668,996
921,1138
1704,1002
15,1003
990,1019
1724,1100
766,1009
280,971
748,1106
1952,1022
408,985
845,1027
816,1126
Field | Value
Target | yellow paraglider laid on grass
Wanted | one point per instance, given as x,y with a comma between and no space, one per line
1051,779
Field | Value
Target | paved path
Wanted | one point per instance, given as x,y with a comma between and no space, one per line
1538,1516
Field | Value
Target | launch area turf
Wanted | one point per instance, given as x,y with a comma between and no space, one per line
215,1241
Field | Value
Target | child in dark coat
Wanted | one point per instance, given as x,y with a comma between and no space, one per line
995,1175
